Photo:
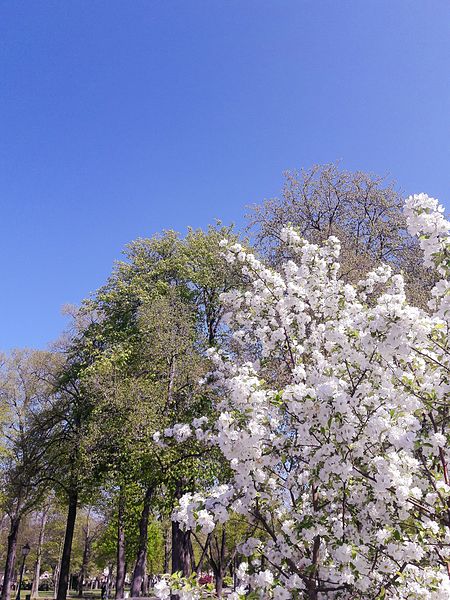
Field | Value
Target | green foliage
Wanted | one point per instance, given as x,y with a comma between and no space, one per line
131,366
144,354
25,443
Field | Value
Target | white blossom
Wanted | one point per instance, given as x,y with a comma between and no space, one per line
344,467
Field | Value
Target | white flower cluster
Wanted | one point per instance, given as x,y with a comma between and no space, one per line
344,469
182,588
425,217
196,511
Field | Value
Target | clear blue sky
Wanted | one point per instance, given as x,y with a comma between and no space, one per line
119,119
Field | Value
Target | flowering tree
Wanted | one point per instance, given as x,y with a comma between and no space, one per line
342,468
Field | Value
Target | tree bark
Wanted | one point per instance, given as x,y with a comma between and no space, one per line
64,572
139,568
181,555
120,567
10,557
181,542
219,584
37,564
144,586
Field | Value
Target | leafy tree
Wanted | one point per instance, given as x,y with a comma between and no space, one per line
24,394
146,335
76,470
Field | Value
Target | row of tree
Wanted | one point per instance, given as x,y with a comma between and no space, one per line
80,422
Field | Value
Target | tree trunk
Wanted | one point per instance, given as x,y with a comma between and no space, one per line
120,567
86,557
10,558
181,555
64,572
219,584
37,564
139,568
181,541
145,581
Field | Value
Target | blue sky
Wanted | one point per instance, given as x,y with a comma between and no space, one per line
119,119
